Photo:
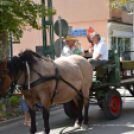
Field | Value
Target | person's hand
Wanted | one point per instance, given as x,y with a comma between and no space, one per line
82,54
91,49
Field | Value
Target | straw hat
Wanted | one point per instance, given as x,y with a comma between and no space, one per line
70,37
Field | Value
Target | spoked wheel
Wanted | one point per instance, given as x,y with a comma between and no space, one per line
112,105
70,109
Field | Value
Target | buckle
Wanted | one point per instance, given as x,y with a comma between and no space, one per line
58,76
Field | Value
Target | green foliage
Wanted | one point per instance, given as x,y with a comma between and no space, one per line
20,112
117,4
9,114
2,107
16,14
15,100
2,112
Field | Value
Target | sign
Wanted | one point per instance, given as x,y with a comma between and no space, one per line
78,32
64,27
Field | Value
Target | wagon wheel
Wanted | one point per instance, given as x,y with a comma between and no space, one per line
112,105
70,109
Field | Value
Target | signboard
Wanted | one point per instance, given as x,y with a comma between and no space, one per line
78,32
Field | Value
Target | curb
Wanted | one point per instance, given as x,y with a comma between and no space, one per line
21,118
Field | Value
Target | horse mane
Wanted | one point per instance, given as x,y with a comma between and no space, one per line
17,63
29,56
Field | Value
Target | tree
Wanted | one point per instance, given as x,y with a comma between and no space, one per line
14,16
117,4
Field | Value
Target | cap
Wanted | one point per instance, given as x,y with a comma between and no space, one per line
90,30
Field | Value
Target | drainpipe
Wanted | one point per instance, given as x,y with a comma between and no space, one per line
11,47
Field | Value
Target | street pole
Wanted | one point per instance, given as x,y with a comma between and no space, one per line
60,33
133,26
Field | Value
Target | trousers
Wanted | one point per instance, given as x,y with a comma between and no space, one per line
97,62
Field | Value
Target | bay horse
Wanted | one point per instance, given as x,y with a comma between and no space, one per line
49,82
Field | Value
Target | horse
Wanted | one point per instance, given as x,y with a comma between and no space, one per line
48,82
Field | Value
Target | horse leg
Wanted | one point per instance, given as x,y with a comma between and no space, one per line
85,93
85,119
79,104
46,108
46,121
33,128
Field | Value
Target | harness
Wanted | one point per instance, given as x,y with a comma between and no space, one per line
42,79
57,77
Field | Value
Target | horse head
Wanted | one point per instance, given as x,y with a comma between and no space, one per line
5,80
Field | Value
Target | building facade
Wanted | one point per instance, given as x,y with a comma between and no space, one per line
115,27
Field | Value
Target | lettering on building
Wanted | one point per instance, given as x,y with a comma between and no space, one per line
78,32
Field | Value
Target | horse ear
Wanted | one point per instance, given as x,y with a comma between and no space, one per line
4,64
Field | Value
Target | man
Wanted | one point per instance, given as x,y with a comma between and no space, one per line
100,54
91,48
70,47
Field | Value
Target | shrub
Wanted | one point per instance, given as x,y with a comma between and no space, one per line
2,107
15,101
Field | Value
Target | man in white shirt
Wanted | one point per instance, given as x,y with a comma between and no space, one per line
70,47
100,54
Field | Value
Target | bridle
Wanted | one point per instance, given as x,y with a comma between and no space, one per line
2,78
9,92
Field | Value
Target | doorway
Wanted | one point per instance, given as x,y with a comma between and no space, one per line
122,45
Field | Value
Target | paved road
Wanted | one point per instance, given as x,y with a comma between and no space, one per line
98,124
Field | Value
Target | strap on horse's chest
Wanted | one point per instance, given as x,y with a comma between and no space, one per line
46,78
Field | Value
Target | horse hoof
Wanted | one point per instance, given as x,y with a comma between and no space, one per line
77,124
84,126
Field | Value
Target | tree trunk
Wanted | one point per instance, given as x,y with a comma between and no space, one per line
4,53
4,47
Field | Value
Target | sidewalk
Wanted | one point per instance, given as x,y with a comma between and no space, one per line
20,119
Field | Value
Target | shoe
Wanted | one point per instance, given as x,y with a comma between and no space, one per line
28,123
